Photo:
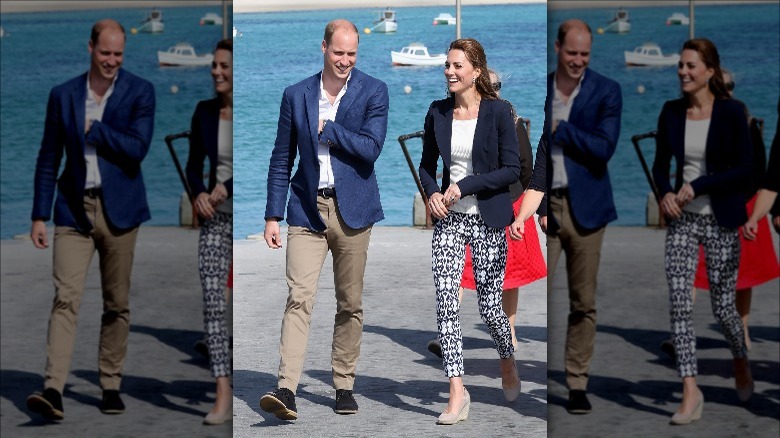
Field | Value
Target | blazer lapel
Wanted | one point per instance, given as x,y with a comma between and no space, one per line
581,100
120,88
353,89
79,110
311,100
482,130
443,132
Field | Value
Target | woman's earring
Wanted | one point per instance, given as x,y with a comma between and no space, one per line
473,80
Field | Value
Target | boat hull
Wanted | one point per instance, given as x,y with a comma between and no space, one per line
385,27
634,60
619,27
152,27
400,59
168,60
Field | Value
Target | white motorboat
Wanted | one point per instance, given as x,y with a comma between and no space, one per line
445,18
678,18
386,23
153,23
649,54
619,22
417,54
211,19
183,54
237,33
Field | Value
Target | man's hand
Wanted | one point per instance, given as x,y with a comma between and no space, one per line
38,234
543,223
272,234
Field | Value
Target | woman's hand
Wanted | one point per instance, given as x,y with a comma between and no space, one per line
517,229
451,195
203,205
437,206
670,207
685,195
750,229
218,195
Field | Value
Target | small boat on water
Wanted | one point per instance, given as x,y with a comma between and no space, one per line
2,32
211,19
417,54
183,54
386,23
678,18
237,33
619,22
153,22
446,19
649,54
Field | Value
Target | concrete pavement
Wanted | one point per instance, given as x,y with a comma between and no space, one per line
633,386
400,387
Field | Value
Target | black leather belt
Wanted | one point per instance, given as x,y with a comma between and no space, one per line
559,192
94,192
327,192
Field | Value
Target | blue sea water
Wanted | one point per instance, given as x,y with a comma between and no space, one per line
748,40
280,49
42,50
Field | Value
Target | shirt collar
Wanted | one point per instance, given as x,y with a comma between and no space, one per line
343,89
110,88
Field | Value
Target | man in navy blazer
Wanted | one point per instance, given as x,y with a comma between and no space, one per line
335,123
582,125
102,122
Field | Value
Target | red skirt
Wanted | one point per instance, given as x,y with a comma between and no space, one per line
757,261
524,260
230,277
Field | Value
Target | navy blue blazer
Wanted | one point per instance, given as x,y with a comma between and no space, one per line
729,157
589,139
495,157
356,138
122,140
204,135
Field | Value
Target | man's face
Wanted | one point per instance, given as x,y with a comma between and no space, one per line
574,54
107,54
341,55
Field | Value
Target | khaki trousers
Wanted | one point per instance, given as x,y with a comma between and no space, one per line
583,252
73,253
306,251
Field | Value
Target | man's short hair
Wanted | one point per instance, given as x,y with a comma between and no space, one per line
101,25
568,25
338,24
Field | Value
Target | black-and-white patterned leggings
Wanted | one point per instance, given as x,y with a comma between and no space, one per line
721,249
488,251
215,252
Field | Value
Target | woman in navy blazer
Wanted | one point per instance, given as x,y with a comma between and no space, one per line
212,137
707,134
474,134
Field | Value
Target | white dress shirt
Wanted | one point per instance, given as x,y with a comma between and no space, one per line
561,111
94,111
328,112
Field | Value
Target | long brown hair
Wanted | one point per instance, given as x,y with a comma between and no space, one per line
476,56
708,53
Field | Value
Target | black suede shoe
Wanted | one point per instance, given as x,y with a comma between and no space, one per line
578,402
48,404
345,402
280,402
202,348
111,403
435,347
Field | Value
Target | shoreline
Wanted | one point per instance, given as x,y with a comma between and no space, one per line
255,6
20,6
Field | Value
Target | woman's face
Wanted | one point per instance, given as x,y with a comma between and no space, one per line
222,71
459,73
693,73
